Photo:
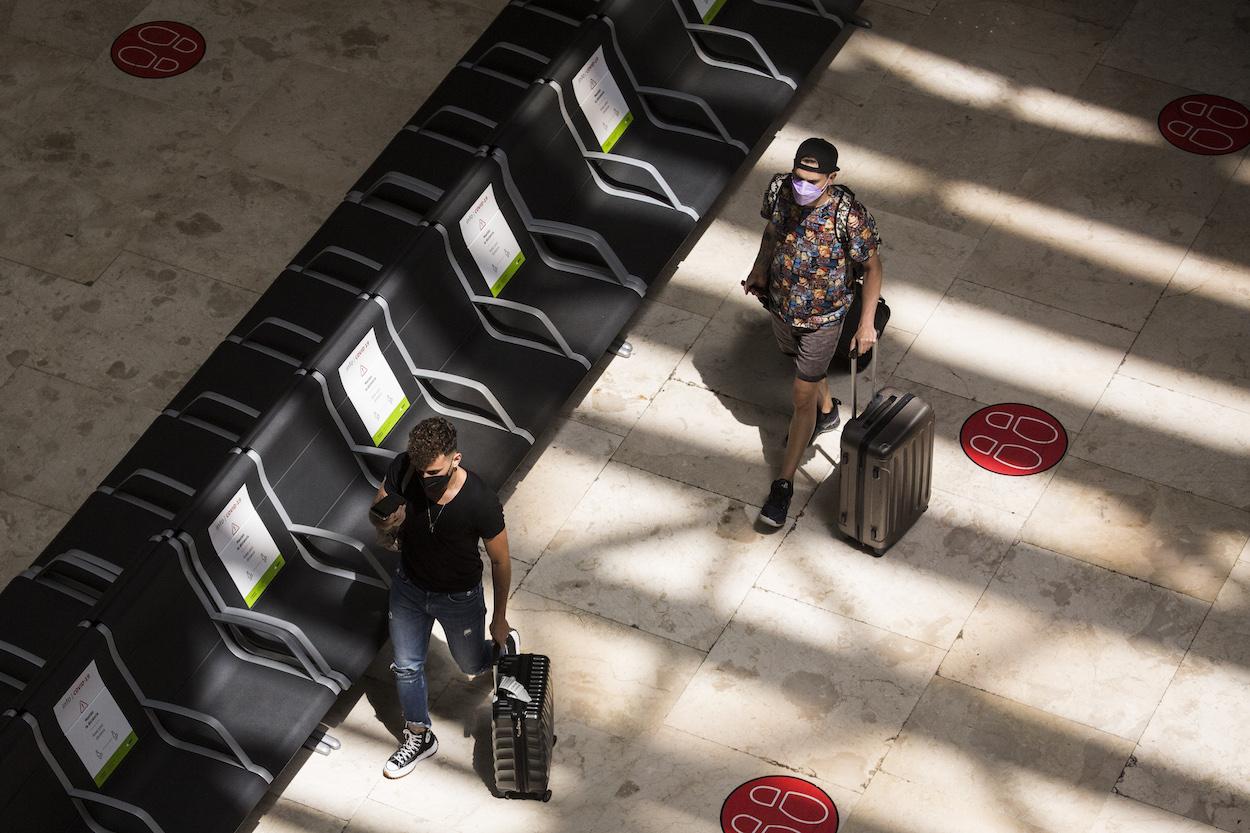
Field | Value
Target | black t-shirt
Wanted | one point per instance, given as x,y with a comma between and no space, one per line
444,560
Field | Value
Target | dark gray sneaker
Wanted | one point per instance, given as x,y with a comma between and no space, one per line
824,422
827,422
414,748
778,504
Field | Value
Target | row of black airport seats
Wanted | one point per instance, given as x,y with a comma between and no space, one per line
180,639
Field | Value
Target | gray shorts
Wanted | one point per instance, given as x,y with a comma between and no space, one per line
812,349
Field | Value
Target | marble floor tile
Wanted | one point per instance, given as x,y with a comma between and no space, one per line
1175,439
316,128
717,262
236,227
1110,151
920,263
615,398
720,444
894,804
811,690
61,228
106,341
1204,49
1111,646
25,529
247,47
366,721
29,300
998,51
119,145
80,29
951,179
981,752
678,782
1196,340
403,45
1099,12
59,438
1109,262
1124,815
454,789
544,490
639,549
1194,758
1139,528
917,6
34,78
860,65
375,817
954,472
925,586
281,815
992,347
611,676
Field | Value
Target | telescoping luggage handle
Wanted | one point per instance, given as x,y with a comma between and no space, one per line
872,374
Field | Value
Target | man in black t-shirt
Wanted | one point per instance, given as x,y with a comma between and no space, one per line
446,510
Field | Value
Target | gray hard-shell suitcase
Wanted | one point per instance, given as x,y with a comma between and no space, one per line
886,468
524,732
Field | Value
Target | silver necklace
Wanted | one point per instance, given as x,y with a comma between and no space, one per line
432,520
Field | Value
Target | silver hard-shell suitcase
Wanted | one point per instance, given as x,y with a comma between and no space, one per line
886,468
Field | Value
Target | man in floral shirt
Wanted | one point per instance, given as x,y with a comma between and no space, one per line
802,274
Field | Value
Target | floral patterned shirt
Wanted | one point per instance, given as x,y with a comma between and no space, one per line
808,284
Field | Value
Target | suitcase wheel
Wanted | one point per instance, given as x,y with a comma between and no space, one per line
877,552
547,795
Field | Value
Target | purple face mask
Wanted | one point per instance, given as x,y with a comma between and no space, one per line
806,193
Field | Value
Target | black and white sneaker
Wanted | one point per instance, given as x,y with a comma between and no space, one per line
778,504
416,747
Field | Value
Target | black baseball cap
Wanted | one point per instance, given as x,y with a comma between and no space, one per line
825,154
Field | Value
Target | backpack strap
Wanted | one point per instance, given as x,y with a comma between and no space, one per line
407,478
846,198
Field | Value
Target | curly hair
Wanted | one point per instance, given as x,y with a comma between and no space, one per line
430,438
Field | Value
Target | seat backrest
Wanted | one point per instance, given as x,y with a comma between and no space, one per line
171,460
234,387
652,35
38,618
599,97
296,313
308,462
115,528
537,130
32,800
159,624
356,243
242,544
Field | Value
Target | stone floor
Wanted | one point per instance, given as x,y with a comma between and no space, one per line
1063,652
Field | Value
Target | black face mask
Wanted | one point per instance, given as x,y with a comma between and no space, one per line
435,485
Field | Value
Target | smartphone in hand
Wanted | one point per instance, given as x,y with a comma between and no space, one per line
386,507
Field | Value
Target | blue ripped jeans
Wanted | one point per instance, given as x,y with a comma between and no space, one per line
412,615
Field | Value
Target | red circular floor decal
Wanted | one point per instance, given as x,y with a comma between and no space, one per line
158,49
1207,124
1013,439
778,804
